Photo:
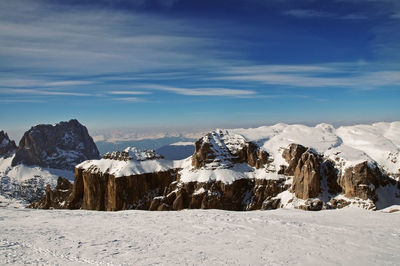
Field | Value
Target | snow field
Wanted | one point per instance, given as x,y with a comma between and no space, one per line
199,237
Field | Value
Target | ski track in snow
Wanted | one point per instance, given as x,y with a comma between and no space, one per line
206,237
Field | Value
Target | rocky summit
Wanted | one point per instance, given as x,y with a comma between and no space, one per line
60,146
7,146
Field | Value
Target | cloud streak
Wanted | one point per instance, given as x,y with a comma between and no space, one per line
310,13
41,92
313,76
201,91
129,92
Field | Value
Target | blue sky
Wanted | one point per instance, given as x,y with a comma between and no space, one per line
191,64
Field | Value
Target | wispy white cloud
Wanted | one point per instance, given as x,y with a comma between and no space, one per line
41,92
129,99
313,76
22,101
6,81
395,15
129,92
68,83
201,91
310,13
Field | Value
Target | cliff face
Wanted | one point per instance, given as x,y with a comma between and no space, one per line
241,195
104,192
7,146
60,146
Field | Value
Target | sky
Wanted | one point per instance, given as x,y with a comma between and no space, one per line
191,64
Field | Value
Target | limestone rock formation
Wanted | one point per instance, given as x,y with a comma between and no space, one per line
7,146
242,194
307,177
292,155
104,192
60,146
361,181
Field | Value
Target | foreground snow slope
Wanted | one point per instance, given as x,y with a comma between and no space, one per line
212,237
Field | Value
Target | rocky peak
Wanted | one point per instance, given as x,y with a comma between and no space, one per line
59,146
221,149
7,146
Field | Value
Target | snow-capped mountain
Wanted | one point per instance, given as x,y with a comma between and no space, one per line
45,152
292,166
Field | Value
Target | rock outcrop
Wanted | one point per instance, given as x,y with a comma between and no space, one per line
220,149
361,181
7,146
105,192
292,156
55,199
60,146
307,177
240,195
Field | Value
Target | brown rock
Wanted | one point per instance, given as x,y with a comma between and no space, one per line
265,189
312,205
292,155
307,178
271,203
252,155
155,203
361,181
203,154
181,201
101,191
55,199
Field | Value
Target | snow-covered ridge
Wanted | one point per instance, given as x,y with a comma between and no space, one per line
131,161
378,144
132,153
346,145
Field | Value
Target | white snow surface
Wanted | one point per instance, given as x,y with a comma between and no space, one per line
199,237
126,168
141,155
